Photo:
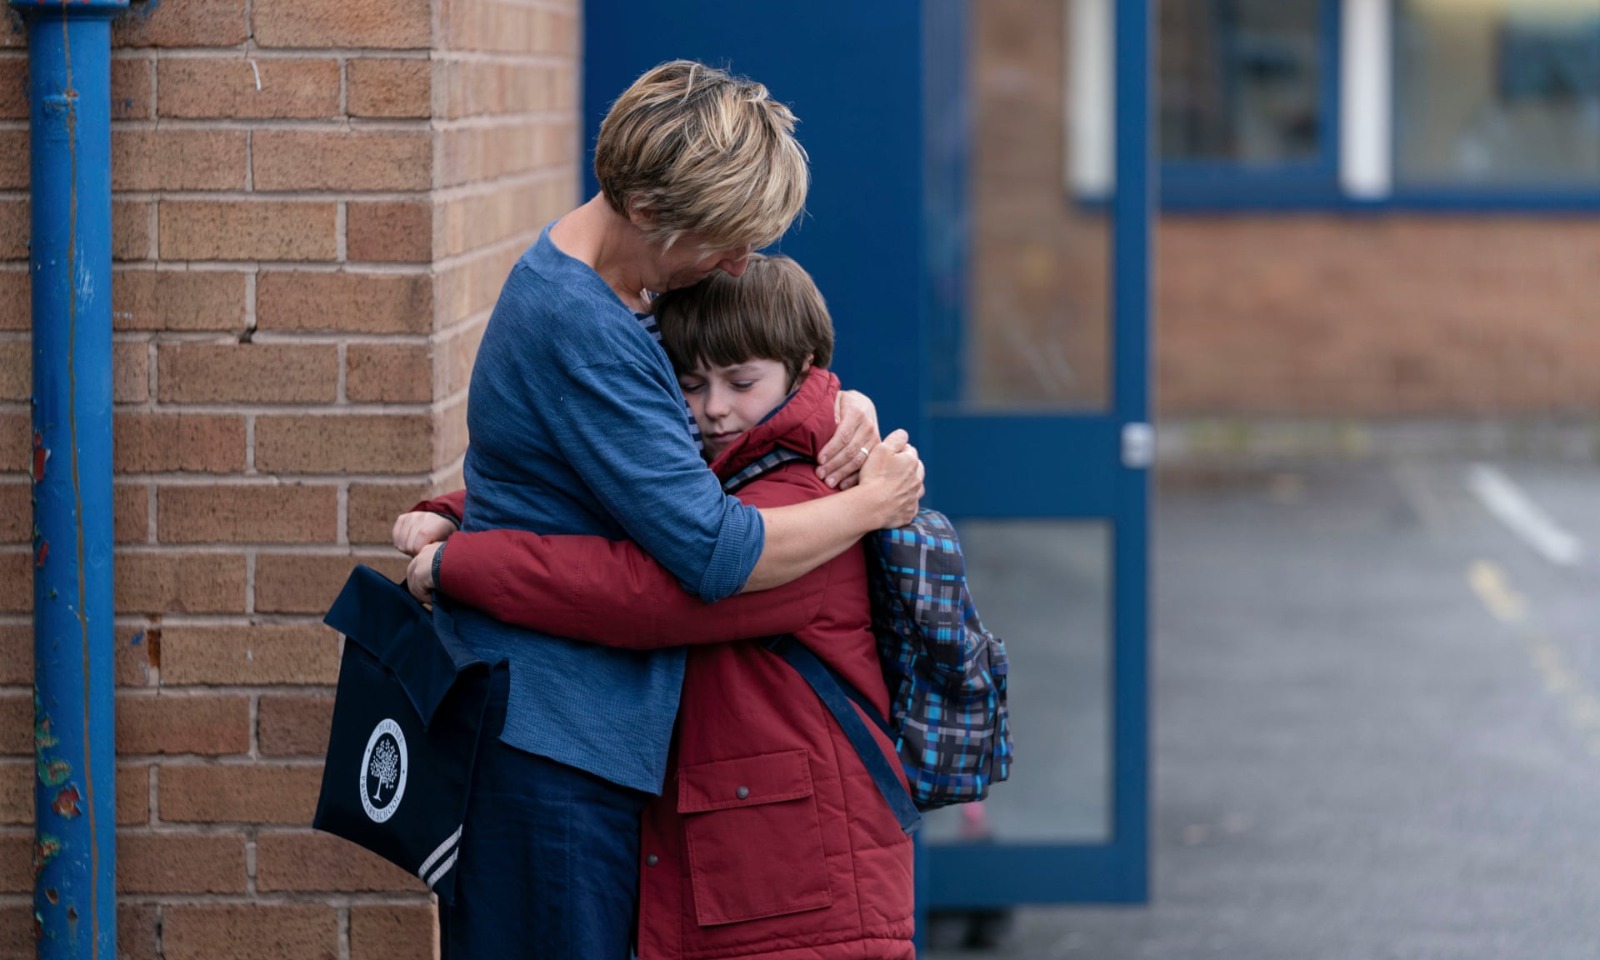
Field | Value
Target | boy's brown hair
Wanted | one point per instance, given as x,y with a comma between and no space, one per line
773,311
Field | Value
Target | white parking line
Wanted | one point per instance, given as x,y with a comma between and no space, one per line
1506,501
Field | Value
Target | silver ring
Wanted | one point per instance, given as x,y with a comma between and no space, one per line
866,451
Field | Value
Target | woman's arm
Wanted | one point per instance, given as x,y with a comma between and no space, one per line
613,593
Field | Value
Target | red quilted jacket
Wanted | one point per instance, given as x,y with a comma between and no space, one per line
770,839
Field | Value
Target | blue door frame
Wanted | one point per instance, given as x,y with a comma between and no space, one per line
881,95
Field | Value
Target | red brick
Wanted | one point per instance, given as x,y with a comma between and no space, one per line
16,515
389,88
182,442
133,794
177,159
13,159
130,372
16,723
180,582
227,88
138,649
478,220
486,87
345,302
16,582
14,87
138,934
130,88
16,445
16,874
15,227
397,24
250,932
392,932
178,300
16,654
473,154
509,28
472,285
130,230
188,23
366,443
389,373
373,508
16,310
247,513
16,372
207,725
294,726
317,862
389,232
308,584
16,923
180,862
342,160
247,230
130,513
16,793
254,793
261,655
247,373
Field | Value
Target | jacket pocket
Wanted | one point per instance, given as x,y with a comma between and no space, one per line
753,836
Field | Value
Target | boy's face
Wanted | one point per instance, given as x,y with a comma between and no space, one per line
727,401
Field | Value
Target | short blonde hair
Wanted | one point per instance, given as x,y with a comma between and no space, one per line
773,311
694,150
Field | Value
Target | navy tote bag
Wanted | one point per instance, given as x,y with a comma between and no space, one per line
407,717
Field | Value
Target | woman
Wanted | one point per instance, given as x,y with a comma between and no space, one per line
577,427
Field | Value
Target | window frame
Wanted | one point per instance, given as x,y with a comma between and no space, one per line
1221,187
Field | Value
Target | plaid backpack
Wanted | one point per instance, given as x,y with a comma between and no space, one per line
946,674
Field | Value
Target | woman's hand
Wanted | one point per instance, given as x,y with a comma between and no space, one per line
893,473
419,575
415,530
841,459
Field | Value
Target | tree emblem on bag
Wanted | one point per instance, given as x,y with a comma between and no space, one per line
383,771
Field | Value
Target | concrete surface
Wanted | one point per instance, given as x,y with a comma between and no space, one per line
1377,731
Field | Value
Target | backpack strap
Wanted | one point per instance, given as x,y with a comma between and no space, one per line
772,461
832,692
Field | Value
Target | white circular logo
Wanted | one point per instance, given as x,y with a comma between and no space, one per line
383,771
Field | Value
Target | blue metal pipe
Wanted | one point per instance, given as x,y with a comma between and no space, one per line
69,93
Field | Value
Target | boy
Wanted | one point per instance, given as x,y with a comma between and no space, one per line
770,839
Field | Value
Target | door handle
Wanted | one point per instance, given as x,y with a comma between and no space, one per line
1138,446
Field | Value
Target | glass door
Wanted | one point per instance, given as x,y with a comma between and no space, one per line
1039,443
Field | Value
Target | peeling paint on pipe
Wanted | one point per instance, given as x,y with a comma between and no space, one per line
69,94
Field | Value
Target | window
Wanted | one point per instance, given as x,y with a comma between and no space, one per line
1241,81
1247,95
1502,93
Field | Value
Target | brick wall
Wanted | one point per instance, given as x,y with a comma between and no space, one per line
1448,316
315,205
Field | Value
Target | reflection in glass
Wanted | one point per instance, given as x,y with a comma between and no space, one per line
1038,330
1498,91
1241,80
1044,587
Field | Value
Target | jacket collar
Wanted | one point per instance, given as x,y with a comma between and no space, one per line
804,423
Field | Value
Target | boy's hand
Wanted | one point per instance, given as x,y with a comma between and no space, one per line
419,575
415,530
894,473
841,459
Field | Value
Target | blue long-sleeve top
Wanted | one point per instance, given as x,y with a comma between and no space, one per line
577,426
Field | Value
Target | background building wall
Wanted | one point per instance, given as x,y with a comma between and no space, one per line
1368,315
315,205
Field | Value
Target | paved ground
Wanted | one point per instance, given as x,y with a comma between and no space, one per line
1377,732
